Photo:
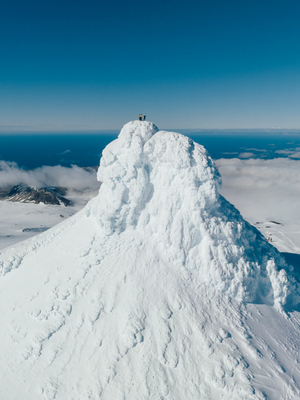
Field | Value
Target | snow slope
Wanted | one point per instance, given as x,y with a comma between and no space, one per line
285,236
157,289
17,218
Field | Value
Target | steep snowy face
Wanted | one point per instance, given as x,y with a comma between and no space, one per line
164,187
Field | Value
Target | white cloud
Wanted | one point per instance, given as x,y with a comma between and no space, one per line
254,149
246,155
284,151
292,153
262,189
73,178
295,155
65,152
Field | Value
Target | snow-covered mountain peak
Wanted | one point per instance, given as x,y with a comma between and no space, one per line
139,163
163,187
142,129
144,294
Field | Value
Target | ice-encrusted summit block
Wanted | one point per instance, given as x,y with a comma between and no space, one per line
164,186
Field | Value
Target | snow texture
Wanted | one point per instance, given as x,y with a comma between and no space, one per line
157,289
19,219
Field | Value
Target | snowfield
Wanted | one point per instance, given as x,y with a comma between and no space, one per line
157,289
19,220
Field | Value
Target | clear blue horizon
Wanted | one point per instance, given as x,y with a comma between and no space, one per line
94,65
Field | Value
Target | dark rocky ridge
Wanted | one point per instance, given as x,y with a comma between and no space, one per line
27,194
37,230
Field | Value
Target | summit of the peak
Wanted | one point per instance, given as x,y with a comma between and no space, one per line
143,129
164,186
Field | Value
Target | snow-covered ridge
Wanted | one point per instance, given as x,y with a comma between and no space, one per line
27,194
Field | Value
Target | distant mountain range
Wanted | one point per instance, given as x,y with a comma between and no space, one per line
28,194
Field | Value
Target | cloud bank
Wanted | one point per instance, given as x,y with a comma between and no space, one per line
292,153
83,179
246,155
262,189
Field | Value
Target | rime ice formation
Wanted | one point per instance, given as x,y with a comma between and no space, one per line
165,188
157,289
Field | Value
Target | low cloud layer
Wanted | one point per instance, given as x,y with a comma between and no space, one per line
259,150
292,153
71,178
262,189
246,155
266,153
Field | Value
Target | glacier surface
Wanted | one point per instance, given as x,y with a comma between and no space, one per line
157,289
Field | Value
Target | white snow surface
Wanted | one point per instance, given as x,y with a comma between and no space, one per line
17,216
157,289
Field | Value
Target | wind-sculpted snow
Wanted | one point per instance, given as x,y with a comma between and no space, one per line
165,187
157,289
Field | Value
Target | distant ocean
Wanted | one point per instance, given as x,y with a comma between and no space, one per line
35,150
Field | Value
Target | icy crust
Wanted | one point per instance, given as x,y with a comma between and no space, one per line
164,186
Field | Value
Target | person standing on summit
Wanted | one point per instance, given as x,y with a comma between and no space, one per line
141,117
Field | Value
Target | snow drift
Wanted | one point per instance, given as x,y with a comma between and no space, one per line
145,293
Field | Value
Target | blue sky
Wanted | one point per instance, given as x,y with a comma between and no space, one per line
70,65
